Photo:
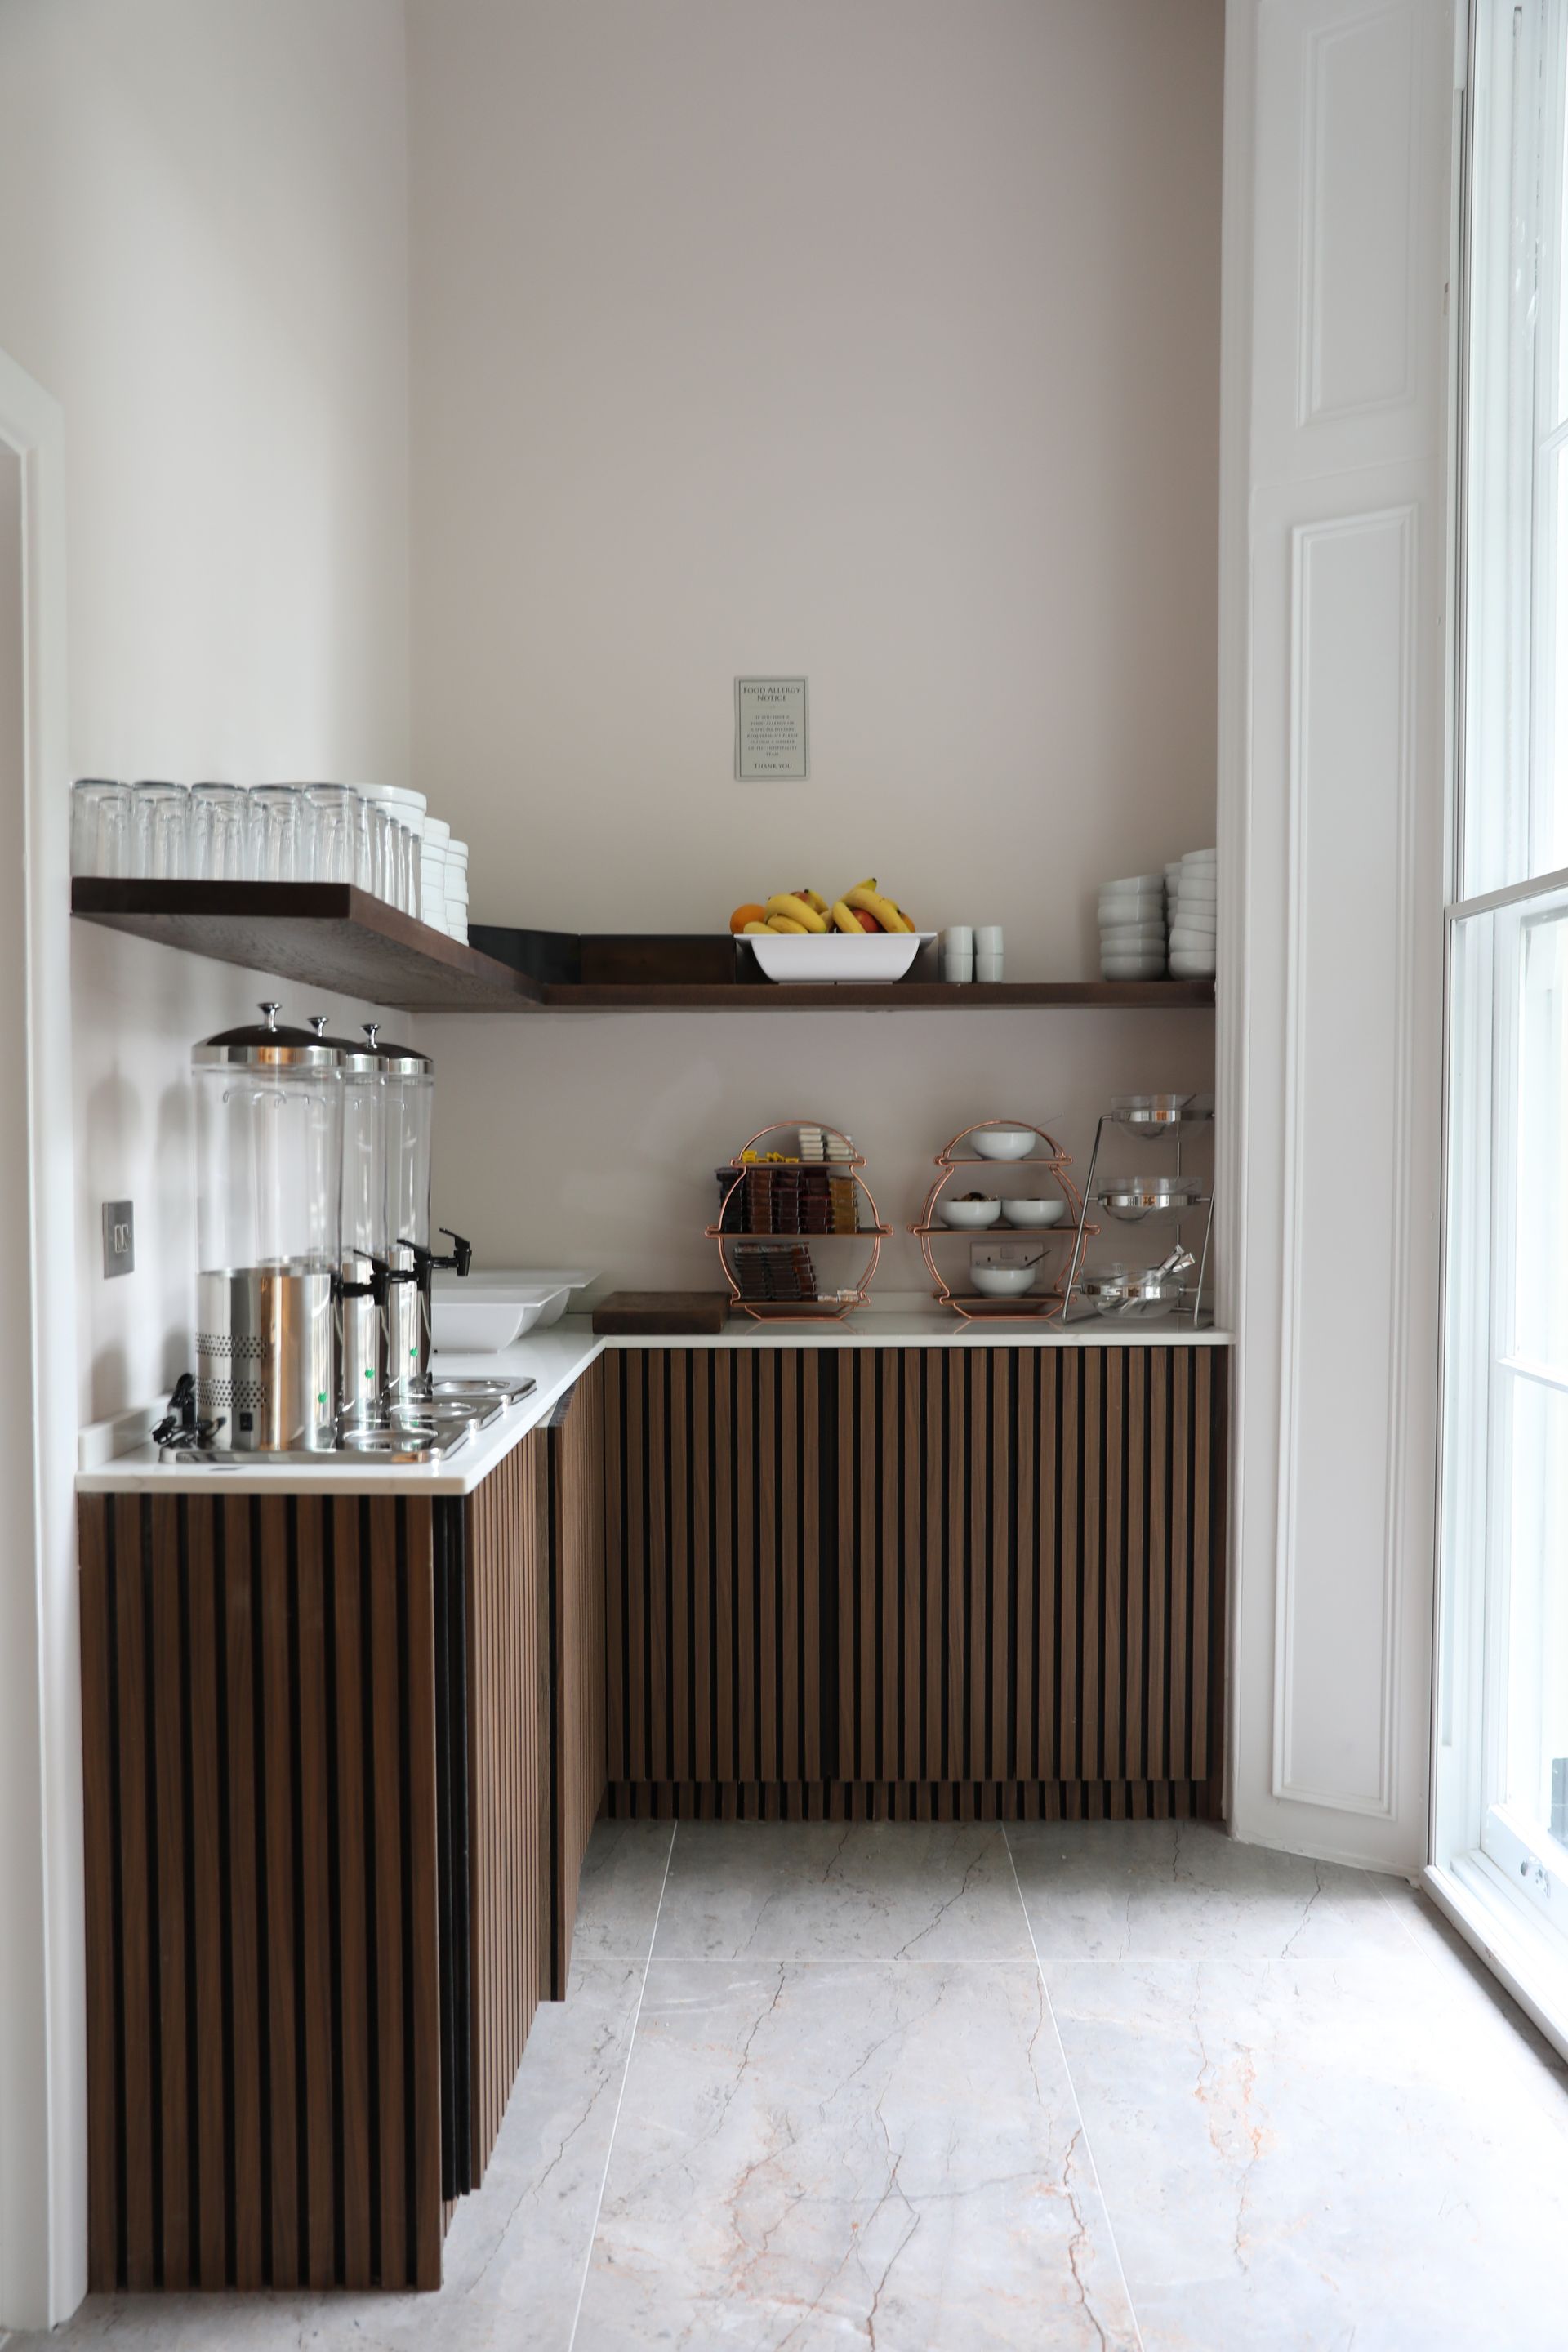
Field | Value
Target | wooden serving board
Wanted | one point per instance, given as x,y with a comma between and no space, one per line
625,1312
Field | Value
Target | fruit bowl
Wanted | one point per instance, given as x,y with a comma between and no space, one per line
829,956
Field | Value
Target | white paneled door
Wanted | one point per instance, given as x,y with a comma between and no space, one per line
1339,124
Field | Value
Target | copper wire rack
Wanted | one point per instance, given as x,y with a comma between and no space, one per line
1053,1162
833,1308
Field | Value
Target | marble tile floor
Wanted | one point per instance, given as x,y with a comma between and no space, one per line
1131,2087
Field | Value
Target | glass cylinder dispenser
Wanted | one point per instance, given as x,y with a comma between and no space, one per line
365,1273
268,1237
410,1080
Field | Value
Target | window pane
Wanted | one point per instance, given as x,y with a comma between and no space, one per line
1537,1767
1540,1215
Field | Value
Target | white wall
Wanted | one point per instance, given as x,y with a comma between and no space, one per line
202,255
879,343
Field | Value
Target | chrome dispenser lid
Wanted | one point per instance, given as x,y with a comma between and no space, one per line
262,1043
358,1061
397,1061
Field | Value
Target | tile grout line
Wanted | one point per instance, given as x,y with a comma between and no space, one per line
1072,2088
620,2098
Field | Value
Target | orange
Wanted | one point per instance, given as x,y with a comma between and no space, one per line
749,913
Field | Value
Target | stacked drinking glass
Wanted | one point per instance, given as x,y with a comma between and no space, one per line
371,835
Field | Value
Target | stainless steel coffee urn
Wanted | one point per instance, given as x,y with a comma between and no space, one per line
269,1107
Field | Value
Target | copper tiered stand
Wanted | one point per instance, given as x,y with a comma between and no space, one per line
837,1306
1032,1305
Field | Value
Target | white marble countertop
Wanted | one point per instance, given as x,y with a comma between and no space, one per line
556,1359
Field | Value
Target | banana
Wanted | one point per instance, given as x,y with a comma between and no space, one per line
844,916
814,899
795,911
783,923
864,894
749,930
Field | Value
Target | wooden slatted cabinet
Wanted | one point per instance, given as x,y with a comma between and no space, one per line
334,1812
921,1581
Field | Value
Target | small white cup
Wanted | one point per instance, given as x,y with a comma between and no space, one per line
987,966
958,940
957,967
988,940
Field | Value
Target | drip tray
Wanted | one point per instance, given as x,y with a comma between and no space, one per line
483,1392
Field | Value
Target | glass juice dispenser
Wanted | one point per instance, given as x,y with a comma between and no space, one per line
365,1273
410,1122
269,1182
410,1081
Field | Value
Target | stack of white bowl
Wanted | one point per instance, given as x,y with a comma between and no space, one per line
433,873
1133,927
1193,905
458,889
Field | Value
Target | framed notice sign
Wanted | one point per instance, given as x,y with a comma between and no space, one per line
770,729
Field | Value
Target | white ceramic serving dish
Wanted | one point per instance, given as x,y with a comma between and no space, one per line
551,1285
1003,1281
1029,1213
828,956
482,1327
968,1216
1003,1143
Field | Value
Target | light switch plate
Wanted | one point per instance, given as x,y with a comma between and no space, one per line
119,1236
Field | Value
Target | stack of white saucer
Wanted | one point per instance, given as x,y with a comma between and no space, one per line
1133,927
1193,903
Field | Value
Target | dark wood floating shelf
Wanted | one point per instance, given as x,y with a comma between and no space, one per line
331,937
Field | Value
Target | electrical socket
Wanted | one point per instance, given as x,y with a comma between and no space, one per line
119,1237
984,1253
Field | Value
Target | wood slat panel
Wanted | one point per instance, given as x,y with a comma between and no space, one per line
1020,1588
508,1546
721,1654
576,1750
261,1942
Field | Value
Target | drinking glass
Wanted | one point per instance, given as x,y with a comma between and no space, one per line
332,826
101,827
275,833
215,832
158,820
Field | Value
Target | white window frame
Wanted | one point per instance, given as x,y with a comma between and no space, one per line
1497,1873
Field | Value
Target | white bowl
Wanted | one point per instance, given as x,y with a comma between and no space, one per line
1119,895
1004,1143
1135,882
550,1287
1186,965
1003,1281
1127,939
1194,938
482,1327
827,955
1195,894
1122,967
1024,1213
968,1215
